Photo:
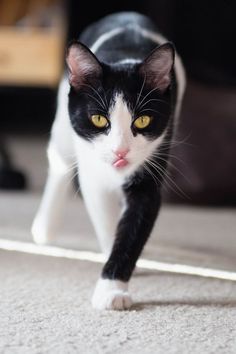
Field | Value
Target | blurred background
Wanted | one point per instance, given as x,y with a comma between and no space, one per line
33,36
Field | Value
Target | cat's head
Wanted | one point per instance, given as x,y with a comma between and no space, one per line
120,110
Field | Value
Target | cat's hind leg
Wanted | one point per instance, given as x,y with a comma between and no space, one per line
61,156
46,221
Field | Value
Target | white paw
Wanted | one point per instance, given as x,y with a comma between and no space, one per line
40,236
112,300
111,295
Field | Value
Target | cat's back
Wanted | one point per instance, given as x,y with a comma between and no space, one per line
120,35
109,24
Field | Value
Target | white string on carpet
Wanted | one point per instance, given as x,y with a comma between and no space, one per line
31,248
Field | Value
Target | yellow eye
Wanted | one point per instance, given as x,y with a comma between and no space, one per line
142,122
99,121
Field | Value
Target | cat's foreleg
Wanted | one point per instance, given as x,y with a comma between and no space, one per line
133,230
47,218
104,211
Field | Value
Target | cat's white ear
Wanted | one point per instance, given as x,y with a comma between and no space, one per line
157,67
82,65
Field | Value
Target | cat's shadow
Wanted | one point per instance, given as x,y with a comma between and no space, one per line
194,302
220,303
139,273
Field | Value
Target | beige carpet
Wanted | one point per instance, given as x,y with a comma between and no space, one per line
45,301
45,308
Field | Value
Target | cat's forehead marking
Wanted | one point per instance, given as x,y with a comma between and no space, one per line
120,115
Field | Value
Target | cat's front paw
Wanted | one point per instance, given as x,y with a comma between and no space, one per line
111,295
112,300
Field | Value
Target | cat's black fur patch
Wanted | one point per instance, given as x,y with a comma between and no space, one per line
143,200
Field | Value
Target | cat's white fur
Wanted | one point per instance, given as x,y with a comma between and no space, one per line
100,182
111,295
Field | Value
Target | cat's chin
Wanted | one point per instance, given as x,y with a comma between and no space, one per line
124,171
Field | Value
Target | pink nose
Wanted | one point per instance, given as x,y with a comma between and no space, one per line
121,153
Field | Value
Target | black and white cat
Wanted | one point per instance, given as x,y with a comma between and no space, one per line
125,88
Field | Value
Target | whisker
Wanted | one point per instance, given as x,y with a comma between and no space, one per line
72,175
77,191
165,174
151,100
171,156
100,104
149,93
164,184
105,98
154,177
164,151
102,101
171,164
71,168
182,193
151,110
183,141
140,92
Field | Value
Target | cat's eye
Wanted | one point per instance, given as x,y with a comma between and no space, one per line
142,122
99,121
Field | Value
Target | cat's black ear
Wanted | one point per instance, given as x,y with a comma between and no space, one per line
157,67
82,64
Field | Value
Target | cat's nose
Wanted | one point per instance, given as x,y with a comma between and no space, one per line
121,153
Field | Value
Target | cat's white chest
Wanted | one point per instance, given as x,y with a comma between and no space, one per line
102,192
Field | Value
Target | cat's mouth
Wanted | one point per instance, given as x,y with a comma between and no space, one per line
120,163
